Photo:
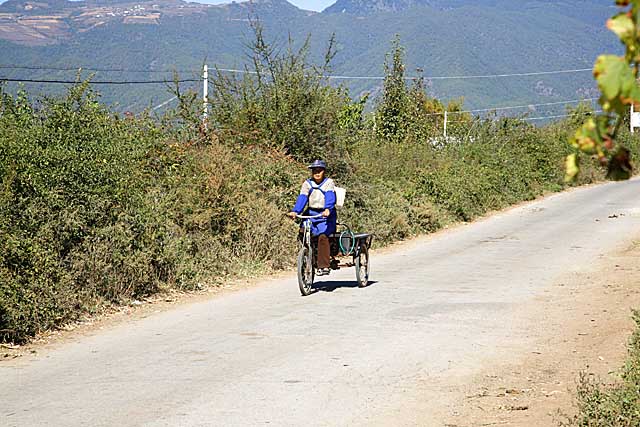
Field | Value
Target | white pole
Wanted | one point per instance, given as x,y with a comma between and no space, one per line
631,118
205,95
445,125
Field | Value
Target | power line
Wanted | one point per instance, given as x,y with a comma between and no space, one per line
99,82
164,103
489,76
515,107
560,116
192,80
330,77
81,68
117,70
463,77
137,82
546,104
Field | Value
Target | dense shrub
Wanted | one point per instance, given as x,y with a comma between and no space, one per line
99,209
283,101
500,163
68,169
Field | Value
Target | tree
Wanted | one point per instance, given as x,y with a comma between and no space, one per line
391,114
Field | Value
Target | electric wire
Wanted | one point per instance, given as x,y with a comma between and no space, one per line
463,77
330,77
336,77
82,68
97,82
119,70
164,103
484,110
546,104
560,116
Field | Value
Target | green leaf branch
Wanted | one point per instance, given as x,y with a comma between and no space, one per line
616,77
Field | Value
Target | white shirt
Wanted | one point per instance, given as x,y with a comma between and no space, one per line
316,199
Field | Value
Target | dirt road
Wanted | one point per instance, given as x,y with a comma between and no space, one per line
449,322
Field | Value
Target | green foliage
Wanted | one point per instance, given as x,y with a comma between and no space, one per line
391,113
406,114
284,100
612,405
68,169
98,209
499,163
617,79
350,117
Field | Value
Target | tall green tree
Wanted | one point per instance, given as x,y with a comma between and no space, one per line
392,111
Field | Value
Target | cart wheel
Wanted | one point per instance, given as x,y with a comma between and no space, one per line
362,267
305,271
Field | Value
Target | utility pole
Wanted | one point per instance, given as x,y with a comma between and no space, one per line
445,125
205,95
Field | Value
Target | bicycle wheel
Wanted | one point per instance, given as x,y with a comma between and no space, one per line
362,267
305,271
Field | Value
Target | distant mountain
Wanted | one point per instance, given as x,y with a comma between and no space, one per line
442,37
366,7
22,6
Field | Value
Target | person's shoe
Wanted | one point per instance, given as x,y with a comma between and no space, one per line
323,272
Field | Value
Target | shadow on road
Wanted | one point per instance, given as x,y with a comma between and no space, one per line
338,284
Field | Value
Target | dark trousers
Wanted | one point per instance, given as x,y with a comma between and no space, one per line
324,251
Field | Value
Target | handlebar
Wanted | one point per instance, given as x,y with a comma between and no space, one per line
308,217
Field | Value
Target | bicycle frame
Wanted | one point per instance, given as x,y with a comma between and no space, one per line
306,238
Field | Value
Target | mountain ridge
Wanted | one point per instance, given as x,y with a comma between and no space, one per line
469,39
367,7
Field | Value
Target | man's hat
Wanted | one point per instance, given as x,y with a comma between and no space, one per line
318,164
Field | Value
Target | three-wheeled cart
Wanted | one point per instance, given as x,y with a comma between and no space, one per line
348,249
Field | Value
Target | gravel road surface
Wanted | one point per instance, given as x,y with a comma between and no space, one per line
394,353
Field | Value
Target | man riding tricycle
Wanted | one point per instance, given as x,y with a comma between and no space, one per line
321,246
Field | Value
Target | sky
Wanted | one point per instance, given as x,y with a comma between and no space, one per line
317,5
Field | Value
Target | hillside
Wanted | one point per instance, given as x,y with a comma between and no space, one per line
373,6
367,7
459,37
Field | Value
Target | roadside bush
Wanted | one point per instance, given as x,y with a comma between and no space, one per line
499,163
612,405
68,169
96,209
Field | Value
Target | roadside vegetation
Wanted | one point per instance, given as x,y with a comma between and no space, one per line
612,404
97,208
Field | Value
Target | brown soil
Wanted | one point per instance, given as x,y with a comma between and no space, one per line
581,324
